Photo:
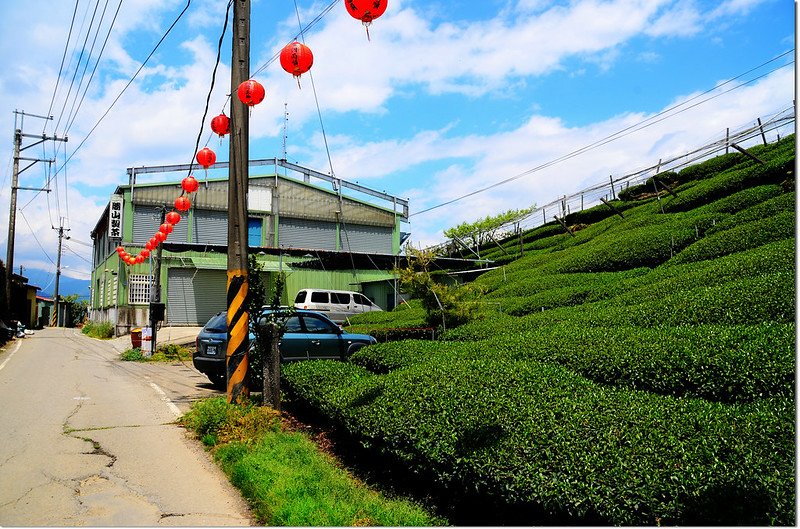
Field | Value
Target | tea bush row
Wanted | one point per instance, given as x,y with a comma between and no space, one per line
748,300
742,200
730,182
720,363
742,237
536,434
767,208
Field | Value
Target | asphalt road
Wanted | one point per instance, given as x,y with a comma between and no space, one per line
89,440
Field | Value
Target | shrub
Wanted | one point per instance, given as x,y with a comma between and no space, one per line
727,183
767,208
98,329
533,434
741,237
712,166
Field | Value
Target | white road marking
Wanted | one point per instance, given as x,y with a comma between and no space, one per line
10,355
171,405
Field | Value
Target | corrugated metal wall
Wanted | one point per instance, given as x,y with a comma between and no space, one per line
194,295
210,227
302,233
366,239
146,221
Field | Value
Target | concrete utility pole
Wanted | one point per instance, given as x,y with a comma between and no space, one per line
56,319
19,117
238,318
156,307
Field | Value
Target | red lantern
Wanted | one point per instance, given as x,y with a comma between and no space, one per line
165,228
206,157
251,92
160,236
365,10
173,217
138,259
153,243
120,250
130,260
221,125
148,245
190,184
145,253
182,204
296,58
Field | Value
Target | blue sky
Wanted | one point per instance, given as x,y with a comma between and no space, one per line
446,98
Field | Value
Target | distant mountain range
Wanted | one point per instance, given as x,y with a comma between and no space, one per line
66,285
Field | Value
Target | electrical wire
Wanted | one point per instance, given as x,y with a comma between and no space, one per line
211,88
63,59
124,89
96,64
623,132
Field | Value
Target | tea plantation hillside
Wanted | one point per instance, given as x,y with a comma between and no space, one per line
639,370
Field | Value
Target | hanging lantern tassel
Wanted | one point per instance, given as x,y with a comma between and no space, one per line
206,158
366,10
296,59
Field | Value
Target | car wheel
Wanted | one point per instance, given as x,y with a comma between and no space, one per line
218,381
352,349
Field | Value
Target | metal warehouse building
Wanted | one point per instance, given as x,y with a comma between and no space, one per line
300,223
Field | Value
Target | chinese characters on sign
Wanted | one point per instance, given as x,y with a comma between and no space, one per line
115,217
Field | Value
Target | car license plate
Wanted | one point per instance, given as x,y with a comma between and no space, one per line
211,350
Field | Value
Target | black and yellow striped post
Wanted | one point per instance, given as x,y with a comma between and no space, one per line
236,360
238,319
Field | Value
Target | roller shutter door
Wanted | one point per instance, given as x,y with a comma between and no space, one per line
366,239
210,227
146,221
301,233
194,295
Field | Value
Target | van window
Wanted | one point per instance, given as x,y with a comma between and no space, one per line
360,299
340,298
319,297
301,297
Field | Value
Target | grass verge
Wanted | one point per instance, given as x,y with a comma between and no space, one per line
285,477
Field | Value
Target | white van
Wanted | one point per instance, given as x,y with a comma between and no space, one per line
338,305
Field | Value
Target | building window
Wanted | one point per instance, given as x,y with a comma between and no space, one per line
139,289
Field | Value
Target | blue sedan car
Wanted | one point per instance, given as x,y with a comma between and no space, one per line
307,336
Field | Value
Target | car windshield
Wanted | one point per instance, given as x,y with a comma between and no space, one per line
218,323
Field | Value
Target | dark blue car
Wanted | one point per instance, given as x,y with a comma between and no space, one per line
307,336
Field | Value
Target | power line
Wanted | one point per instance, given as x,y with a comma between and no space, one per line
63,58
124,89
623,132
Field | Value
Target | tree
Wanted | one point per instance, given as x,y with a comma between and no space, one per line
482,230
445,306
265,358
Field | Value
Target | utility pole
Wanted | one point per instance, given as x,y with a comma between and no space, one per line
19,117
56,319
156,307
237,287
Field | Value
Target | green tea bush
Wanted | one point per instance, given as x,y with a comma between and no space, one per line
730,182
712,166
767,208
741,237
742,200
636,247
714,362
528,433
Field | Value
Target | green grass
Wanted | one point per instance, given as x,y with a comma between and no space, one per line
98,329
165,353
286,479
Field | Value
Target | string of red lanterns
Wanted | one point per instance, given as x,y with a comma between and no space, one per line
296,58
